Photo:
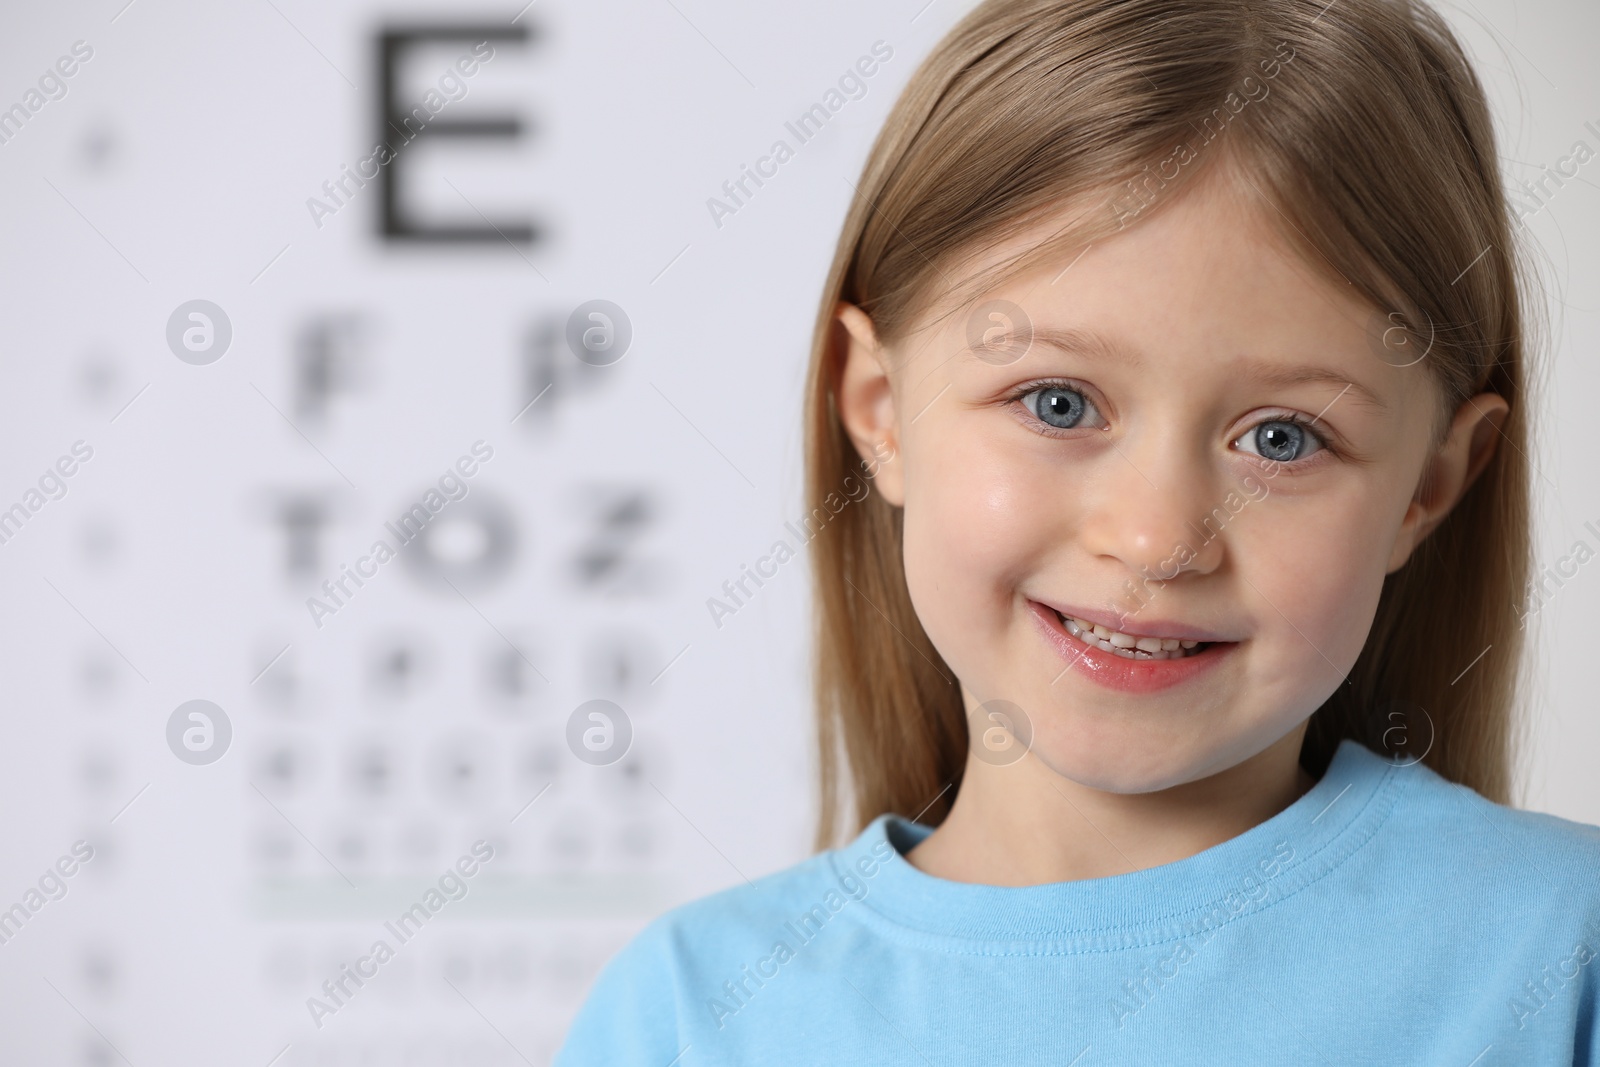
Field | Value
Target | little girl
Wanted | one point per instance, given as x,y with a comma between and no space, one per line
1166,682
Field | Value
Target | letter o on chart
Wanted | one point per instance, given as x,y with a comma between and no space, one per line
470,546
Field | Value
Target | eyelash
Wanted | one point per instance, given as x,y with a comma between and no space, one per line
1323,439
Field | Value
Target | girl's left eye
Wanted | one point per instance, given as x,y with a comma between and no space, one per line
1280,440
1062,407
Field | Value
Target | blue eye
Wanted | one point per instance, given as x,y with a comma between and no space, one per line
1280,440
1058,406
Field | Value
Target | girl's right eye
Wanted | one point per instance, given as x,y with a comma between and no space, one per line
1061,407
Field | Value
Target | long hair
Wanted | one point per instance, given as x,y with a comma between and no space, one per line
1365,131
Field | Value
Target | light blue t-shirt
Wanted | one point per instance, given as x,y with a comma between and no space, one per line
1385,917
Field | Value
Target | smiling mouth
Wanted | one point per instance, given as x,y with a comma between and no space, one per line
1129,646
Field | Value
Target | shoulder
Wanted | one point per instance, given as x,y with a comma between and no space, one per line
1527,861
649,998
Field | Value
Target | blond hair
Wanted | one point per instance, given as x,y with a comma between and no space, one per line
1373,143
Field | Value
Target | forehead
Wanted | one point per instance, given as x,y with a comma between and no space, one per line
1206,284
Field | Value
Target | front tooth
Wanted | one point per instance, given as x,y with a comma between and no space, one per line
1125,653
1189,644
1121,640
1149,644
1101,632
1169,644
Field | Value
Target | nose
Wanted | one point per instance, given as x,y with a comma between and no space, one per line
1154,509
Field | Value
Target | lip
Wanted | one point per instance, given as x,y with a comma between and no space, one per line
1119,672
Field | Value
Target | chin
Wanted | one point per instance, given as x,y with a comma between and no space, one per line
1121,758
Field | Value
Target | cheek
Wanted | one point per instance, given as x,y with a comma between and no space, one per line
974,525
1325,579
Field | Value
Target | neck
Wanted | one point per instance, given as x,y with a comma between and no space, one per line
1024,824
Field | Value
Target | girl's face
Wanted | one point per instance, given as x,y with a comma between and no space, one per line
1200,449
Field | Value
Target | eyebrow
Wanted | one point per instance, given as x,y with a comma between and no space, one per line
1303,375
1091,345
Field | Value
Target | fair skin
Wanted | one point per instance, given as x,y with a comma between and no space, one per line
1045,477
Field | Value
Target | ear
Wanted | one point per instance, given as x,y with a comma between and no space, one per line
866,404
1450,471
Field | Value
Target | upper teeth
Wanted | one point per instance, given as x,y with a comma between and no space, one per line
1127,645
